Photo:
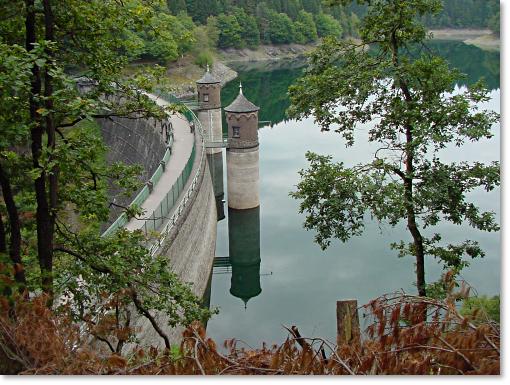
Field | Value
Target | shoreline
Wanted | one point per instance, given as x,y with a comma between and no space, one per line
184,72
458,34
481,38
265,53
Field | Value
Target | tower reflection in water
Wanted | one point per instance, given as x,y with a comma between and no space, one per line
244,250
242,161
243,240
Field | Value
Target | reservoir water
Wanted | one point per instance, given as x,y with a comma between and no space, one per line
295,282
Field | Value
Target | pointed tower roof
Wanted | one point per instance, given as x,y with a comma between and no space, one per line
208,78
241,104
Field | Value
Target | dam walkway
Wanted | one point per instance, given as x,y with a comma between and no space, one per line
165,195
182,147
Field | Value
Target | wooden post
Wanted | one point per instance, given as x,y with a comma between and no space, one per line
347,322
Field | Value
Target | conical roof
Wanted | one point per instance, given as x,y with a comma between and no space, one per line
208,78
241,104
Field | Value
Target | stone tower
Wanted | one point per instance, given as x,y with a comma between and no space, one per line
209,109
242,153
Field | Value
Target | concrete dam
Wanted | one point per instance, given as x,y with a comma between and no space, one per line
182,196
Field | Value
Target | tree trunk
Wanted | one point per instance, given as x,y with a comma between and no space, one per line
15,230
47,236
3,235
417,238
408,179
48,93
43,216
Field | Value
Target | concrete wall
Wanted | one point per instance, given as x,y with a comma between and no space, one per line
216,169
243,178
212,125
132,141
190,246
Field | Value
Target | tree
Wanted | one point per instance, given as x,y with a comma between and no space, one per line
306,26
176,6
263,16
327,25
415,112
229,31
164,37
249,29
53,172
494,21
281,28
312,6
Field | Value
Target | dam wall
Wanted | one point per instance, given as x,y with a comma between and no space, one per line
190,247
134,142
188,236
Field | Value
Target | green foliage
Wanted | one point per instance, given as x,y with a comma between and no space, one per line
327,26
494,23
229,31
237,29
482,308
249,30
465,14
281,28
176,6
415,114
455,14
306,25
206,40
52,157
121,265
164,37
204,58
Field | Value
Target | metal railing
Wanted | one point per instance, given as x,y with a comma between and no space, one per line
140,198
161,214
185,107
185,174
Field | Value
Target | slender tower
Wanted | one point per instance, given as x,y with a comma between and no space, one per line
242,153
209,109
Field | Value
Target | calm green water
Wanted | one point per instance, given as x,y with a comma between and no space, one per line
279,275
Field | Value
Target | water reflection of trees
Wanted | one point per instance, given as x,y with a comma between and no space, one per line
470,60
267,86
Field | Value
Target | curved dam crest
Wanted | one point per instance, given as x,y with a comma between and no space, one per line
183,199
190,244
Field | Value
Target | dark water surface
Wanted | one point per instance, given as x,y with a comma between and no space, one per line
280,276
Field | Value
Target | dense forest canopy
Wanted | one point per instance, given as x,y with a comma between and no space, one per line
247,23
201,26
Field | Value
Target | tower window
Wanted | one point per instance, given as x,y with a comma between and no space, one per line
235,132
206,97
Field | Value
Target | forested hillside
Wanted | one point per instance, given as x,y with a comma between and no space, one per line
201,26
247,23
467,14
